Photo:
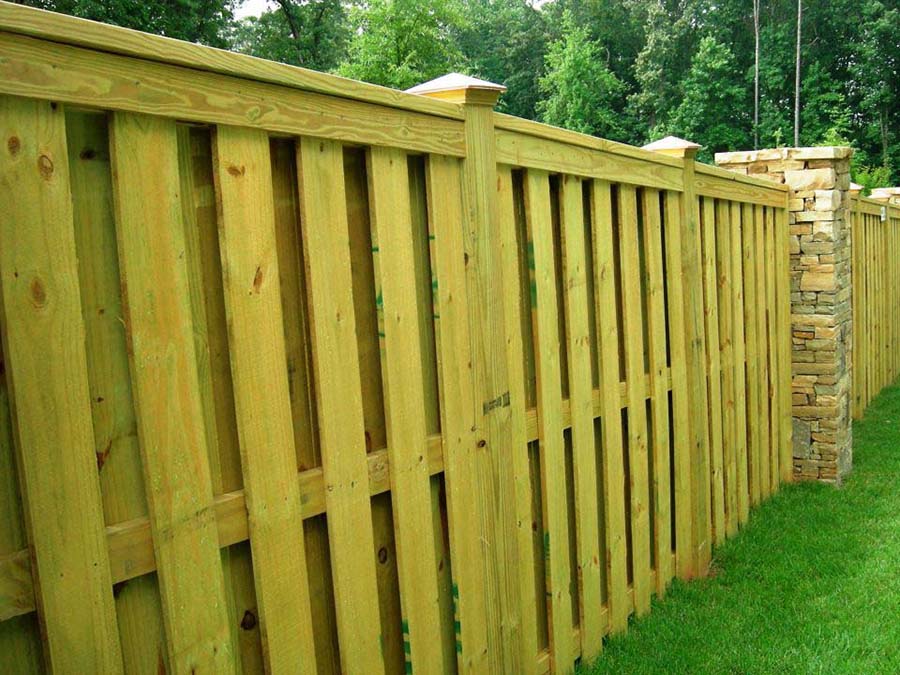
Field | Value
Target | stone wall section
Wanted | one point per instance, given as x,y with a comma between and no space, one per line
821,317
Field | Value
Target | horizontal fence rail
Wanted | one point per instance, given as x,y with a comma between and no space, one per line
303,374
875,230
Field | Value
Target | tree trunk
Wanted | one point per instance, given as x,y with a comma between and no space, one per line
756,75
797,77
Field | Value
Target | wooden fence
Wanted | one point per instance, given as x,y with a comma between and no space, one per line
875,232
305,374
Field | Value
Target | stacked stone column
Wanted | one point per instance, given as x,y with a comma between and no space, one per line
821,318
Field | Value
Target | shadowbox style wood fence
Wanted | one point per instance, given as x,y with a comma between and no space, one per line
875,230
301,374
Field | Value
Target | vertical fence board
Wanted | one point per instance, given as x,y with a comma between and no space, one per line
581,406
169,411
714,370
771,386
684,522
43,335
611,427
742,433
457,409
518,500
550,427
262,400
754,439
336,372
201,231
659,390
405,407
118,456
762,385
632,327
725,272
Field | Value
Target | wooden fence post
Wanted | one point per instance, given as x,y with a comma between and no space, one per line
507,626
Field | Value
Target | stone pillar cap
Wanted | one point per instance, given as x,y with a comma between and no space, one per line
459,88
673,146
885,192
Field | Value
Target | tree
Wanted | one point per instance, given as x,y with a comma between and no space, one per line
505,41
797,76
204,21
309,33
755,74
401,43
662,62
580,91
713,102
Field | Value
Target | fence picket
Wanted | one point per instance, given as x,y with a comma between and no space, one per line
269,460
336,372
168,406
581,407
613,458
391,221
550,428
46,366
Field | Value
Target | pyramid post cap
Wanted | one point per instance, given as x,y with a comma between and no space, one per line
459,88
674,146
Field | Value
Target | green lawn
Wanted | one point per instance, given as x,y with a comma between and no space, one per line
811,585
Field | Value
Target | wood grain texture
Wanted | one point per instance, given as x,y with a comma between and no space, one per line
725,291
40,69
549,400
551,155
518,491
446,220
336,373
106,38
681,486
138,609
762,386
46,372
159,330
389,203
262,400
749,306
581,406
714,370
695,350
660,477
740,371
613,466
638,447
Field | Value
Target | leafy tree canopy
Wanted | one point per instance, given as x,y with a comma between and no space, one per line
625,69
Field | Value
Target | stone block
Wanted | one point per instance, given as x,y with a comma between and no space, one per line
828,200
825,152
812,281
811,179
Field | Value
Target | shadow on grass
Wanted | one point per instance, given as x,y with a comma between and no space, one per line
810,585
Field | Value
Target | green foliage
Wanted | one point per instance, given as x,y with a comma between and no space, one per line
628,69
871,177
581,93
313,34
714,103
505,41
401,43
204,21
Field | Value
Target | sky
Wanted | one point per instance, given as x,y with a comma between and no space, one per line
252,8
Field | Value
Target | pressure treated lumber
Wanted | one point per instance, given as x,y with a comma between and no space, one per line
338,393
262,401
46,369
166,392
